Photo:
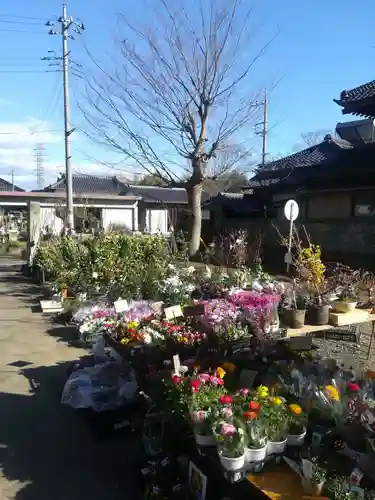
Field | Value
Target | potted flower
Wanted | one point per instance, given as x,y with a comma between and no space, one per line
299,311
276,418
347,301
230,437
206,398
256,433
313,476
318,311
297,425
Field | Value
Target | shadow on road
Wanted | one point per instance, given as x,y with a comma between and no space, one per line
47,452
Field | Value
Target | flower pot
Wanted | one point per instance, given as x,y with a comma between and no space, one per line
341,306
255,454
232,463
298,318
204,440
276,447
296,439
318,315
313,489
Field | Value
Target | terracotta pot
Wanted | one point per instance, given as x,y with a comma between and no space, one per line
298,318
318,315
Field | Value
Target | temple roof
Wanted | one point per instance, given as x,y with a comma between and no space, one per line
293,167
359,100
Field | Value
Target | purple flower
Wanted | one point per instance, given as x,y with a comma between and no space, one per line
243,392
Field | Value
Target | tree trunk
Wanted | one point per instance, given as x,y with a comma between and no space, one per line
194,193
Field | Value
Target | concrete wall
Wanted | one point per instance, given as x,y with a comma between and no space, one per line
120,217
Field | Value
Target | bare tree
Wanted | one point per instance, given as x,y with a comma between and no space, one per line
314,138
179,92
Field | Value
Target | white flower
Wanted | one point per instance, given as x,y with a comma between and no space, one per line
173,281
207,272
190,288
239,241
171,267
147,339
94,275
184,369
190,269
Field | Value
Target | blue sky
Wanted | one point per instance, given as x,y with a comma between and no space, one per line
322,48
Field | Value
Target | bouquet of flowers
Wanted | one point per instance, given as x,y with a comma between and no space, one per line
219,313
94,322
177,286
176,333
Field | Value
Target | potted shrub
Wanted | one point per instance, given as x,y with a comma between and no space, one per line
347,301
299,311
318,312
276,418
297,425
256,434
230,437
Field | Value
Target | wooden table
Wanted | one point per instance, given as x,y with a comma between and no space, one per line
279,484
309,330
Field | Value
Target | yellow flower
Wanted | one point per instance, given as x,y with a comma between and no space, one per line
295,409
262,391
132,324
124,341
276,401
332,392
229,367
197,367
220,372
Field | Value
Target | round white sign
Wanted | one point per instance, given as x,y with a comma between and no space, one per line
291,210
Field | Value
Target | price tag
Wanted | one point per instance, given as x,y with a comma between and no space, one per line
121,305
173,312
176,364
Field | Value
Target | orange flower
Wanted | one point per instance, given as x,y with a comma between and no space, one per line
250,415
254,405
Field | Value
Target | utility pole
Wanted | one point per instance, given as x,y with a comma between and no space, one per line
39,164
66,23
262,127
265,128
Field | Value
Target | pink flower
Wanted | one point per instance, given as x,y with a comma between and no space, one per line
198,416
215,380
227,412
243,392
204,377
227,430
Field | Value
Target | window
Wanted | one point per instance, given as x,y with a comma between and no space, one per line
364,204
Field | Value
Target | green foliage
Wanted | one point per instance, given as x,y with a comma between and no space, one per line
120,265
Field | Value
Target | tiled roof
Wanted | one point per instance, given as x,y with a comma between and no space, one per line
90,184
6,186
156,194
293,167
360,93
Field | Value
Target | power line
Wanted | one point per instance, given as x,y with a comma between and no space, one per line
16,16
18,22
30,71
22,31
29,134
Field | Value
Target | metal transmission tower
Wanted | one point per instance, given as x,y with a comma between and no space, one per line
39,164
67,24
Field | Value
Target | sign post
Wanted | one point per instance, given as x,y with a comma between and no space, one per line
291,211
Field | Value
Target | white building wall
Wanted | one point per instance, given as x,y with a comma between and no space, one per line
119,217
156,220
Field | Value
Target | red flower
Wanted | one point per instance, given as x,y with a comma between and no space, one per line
176,379
250,415
254,405
353,387
220,381
225,399
195,384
